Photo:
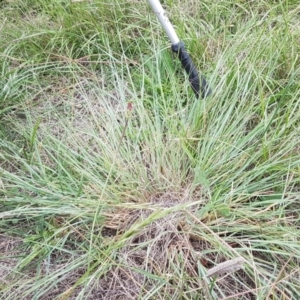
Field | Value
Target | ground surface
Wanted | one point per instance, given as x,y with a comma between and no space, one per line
116,183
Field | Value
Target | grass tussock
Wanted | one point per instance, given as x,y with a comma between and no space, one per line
116,183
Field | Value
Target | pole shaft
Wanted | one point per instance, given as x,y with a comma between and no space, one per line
164,20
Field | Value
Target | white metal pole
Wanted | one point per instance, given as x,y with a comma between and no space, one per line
164,20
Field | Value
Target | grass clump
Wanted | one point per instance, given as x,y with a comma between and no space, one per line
116,183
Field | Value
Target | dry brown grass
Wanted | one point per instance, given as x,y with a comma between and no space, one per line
9,251
166,252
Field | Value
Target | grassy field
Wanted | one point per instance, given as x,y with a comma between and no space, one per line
117,183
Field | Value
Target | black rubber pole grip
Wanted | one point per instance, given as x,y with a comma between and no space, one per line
198,85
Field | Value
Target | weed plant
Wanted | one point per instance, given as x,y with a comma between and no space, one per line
116,183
